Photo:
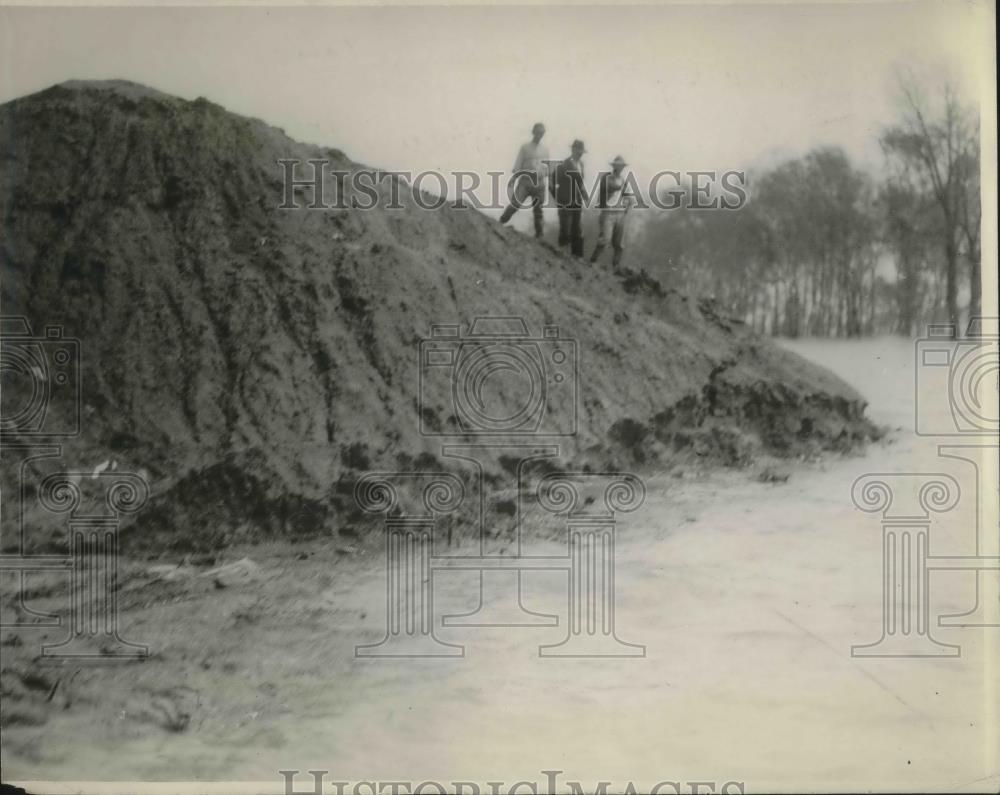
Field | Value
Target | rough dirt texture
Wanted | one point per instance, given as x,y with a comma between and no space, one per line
253,361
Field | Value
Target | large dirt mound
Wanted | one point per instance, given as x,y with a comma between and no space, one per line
252,361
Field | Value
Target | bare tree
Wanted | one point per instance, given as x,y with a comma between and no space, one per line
809,253
910,229
970,214
939,153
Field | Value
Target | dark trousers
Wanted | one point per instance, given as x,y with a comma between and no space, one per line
570,229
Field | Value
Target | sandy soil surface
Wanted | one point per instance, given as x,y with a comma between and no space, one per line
748,596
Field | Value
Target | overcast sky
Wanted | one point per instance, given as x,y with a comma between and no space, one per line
458,88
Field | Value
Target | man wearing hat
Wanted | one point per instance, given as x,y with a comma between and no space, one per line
529,178
570,194
614,199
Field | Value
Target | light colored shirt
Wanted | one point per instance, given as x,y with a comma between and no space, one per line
532,157
616,193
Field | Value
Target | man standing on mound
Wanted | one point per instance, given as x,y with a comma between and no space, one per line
571,195
614,199
529,178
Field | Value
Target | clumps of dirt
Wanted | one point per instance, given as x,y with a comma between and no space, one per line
254,362
737,417
713,313
231,501
25,697
640,282
773,474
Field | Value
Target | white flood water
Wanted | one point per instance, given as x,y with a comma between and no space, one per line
748,598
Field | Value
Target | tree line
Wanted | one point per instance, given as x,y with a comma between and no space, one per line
823,248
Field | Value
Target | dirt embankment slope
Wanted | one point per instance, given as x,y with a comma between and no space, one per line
253,361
